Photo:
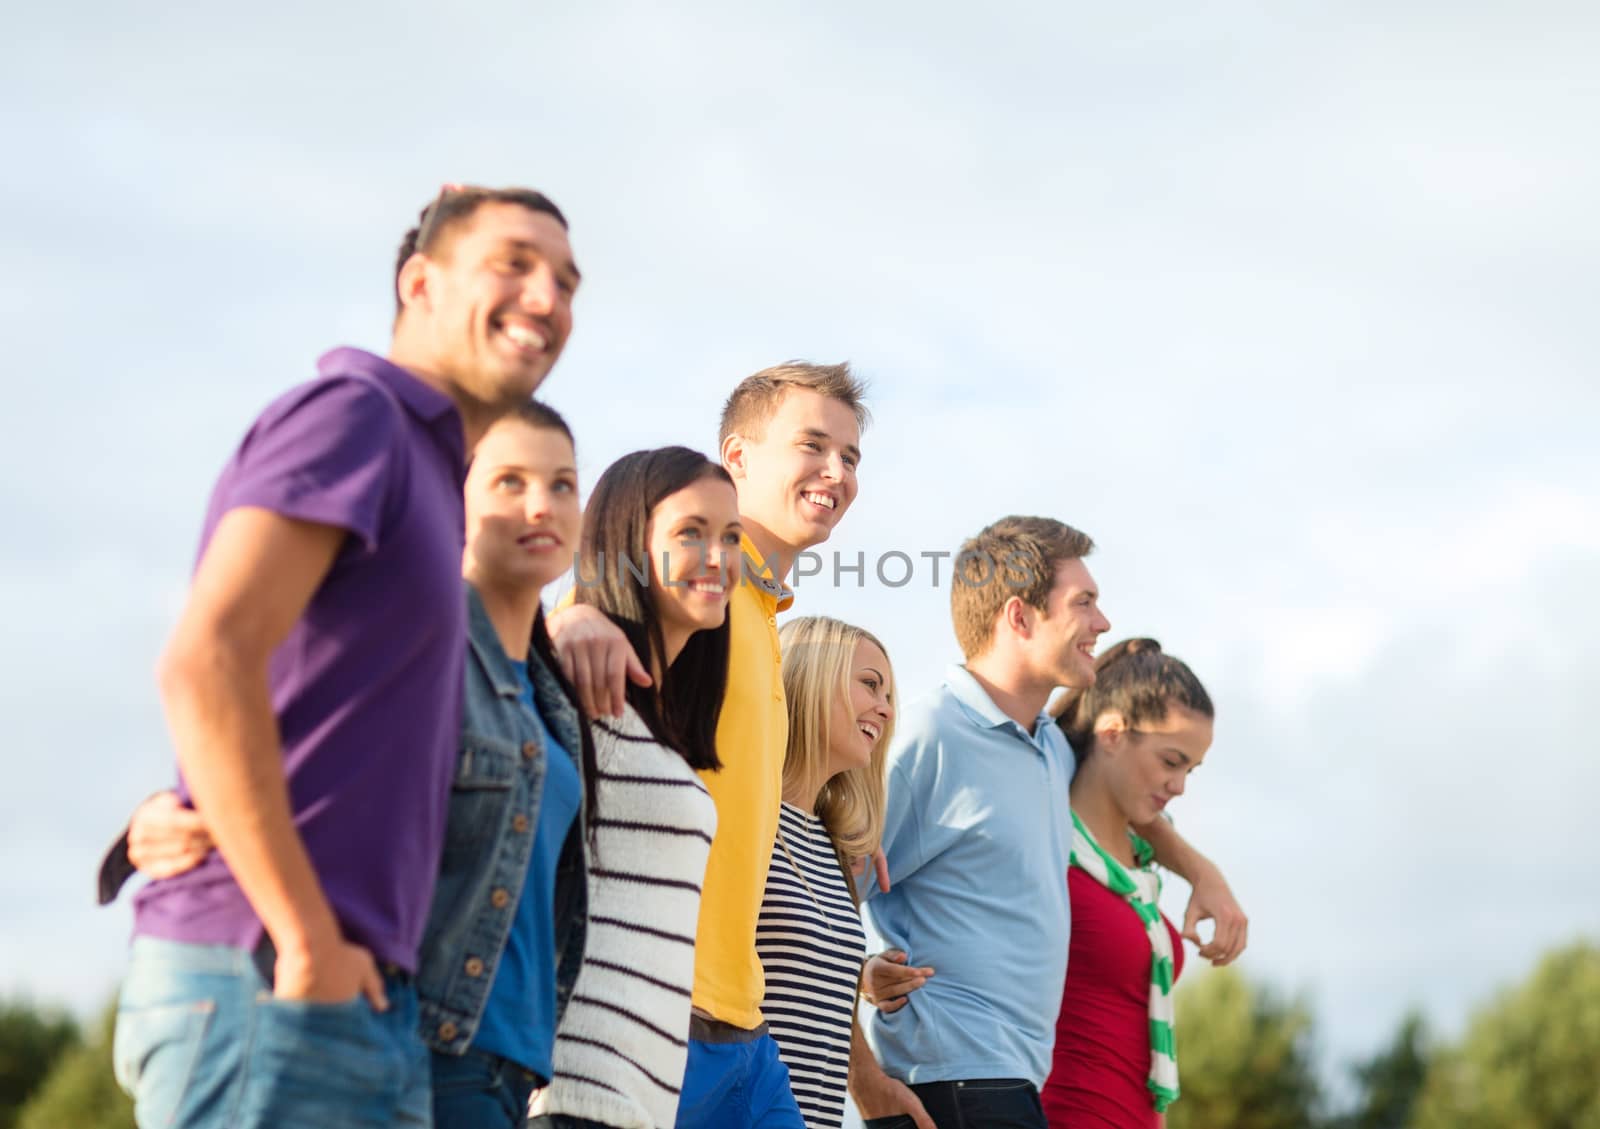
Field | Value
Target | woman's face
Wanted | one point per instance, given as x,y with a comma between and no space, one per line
1150,765
522,507
693,539
863,713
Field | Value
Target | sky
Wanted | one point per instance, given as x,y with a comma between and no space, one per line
1283,304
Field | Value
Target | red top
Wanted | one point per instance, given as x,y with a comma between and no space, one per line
1102,1054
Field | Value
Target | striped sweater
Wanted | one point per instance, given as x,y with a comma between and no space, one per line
811,945
622,1044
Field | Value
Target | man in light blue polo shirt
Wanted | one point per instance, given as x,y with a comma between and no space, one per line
978,837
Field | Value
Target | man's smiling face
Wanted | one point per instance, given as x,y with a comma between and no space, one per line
797,479
1065,634
498,301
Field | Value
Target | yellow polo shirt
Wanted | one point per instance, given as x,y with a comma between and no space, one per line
752,735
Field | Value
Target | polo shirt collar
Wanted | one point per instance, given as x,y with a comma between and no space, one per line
753,568
422,400
969,692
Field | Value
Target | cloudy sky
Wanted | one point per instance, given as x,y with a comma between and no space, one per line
1286,306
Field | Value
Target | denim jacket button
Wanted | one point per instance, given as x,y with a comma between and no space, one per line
500,898
447,1031
519,824
474,967
529,749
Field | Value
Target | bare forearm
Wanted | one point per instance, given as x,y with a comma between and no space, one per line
1173,851
867,1079
862,1062
226,736
875,1093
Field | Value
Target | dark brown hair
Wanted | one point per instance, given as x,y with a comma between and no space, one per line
448,211
1138,680
613,574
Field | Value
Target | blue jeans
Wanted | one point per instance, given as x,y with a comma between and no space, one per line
976,1103
737,1085
202,1042
479,1090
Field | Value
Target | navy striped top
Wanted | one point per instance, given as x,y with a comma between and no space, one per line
811,944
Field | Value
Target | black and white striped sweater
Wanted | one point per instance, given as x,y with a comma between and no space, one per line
621,1046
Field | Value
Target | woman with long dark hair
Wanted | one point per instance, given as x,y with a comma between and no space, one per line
660,555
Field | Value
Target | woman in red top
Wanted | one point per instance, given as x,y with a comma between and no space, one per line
1137,733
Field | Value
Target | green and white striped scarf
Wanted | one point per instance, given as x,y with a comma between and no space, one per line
1141,889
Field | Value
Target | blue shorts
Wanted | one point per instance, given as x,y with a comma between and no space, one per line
737,1085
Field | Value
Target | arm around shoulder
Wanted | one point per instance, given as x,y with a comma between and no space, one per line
1212,899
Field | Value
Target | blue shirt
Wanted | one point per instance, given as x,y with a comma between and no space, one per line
519,1021
367,702
978,837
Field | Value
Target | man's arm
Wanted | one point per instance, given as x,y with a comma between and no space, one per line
259,572
596,657
874,1092
1211,897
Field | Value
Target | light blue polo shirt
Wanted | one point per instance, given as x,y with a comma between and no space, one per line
978,836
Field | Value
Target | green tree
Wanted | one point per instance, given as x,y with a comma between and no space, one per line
1390,1080
81,1092
30,1042
1529,1060
1244,1057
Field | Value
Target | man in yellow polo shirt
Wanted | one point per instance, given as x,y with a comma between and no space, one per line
790,437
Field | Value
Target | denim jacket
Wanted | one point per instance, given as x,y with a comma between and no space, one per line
499,777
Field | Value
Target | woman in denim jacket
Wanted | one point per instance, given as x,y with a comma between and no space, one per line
505,933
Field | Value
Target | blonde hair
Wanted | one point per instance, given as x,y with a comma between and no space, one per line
753,403
818,655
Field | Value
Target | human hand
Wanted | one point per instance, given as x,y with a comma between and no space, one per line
1212,900
166,838
887,980
878,1095
596,657
336,974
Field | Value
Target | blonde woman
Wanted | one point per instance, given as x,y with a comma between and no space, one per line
839,688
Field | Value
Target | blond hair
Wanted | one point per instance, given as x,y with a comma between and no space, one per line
818,654
1016,556
754,402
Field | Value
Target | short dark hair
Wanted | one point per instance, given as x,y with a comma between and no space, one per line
449,210
541,416
681,711
1141,682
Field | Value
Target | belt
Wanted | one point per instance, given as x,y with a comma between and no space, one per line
704,1029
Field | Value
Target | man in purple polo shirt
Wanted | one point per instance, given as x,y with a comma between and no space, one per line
312,688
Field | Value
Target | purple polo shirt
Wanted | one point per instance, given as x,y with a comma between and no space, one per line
367,686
